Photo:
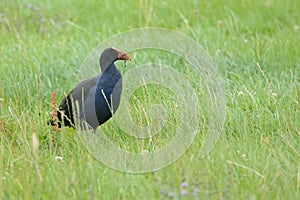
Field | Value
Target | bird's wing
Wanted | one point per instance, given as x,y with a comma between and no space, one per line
78,94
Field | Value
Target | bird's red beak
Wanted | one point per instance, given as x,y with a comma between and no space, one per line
122,56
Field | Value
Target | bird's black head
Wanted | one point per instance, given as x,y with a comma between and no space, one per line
110,55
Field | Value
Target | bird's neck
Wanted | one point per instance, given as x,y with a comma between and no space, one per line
111,69
109,77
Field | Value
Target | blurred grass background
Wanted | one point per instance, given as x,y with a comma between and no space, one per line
256,47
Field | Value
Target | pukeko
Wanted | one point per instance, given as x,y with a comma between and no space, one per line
94,100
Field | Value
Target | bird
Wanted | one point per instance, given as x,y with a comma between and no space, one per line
93,101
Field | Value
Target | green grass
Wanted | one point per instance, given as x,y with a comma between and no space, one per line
256,47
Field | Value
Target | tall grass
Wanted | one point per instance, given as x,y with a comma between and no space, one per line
255,45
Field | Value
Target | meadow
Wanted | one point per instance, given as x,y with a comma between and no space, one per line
255,45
